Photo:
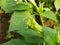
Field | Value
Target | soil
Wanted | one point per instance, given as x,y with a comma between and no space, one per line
4,25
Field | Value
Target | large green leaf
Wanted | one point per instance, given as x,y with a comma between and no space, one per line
11,5
3,3
31,36
57,6
18,20
50,36
15,42
49,14
7,3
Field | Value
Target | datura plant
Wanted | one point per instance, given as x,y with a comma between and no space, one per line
37,22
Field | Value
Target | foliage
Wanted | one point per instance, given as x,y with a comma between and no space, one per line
23,21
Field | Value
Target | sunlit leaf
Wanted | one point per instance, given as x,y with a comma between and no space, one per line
57,6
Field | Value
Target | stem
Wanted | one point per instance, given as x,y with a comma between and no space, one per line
39,13
37,9
42,20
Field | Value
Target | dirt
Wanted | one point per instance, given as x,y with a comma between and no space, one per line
4,25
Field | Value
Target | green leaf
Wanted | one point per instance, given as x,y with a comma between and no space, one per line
18,20
46,9
49,14
15,42
34,25
57,27
56,3
50,36
21,6
7,3
2,3
11,5
31,36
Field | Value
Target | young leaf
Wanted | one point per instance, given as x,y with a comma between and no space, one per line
34,25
